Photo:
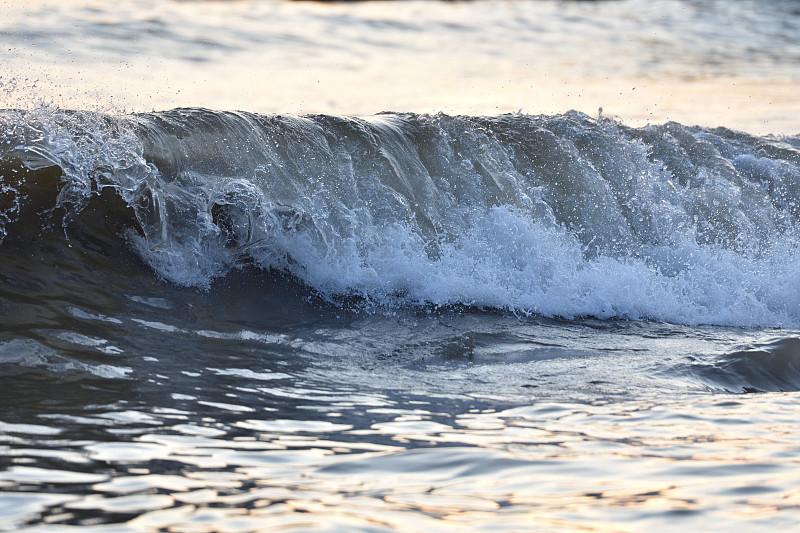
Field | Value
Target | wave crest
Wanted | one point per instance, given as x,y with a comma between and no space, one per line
563,215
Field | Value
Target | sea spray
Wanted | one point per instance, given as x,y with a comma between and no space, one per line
562,215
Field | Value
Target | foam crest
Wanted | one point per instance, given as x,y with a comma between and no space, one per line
563,216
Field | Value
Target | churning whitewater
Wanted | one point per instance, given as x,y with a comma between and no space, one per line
562,215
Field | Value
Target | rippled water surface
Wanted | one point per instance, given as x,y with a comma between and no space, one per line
195,412
476,320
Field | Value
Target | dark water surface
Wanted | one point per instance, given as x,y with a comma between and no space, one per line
220,411
295,334
236,321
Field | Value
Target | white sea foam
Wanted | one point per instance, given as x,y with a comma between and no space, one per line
562,216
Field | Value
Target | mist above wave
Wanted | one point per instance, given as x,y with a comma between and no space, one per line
559,215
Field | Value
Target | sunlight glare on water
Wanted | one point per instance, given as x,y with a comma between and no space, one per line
629,466
522,318
706,63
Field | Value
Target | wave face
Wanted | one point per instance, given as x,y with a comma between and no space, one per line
556,215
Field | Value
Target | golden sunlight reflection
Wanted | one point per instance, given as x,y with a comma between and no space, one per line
287,57
521,466
250,323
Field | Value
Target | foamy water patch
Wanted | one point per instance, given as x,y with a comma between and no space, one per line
507,261
563,216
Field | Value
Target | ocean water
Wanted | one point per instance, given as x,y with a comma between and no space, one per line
399,266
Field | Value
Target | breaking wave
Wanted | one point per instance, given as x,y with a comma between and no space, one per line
562,215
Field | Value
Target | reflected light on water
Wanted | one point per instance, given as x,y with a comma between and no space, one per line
482,58
133,405
529,468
